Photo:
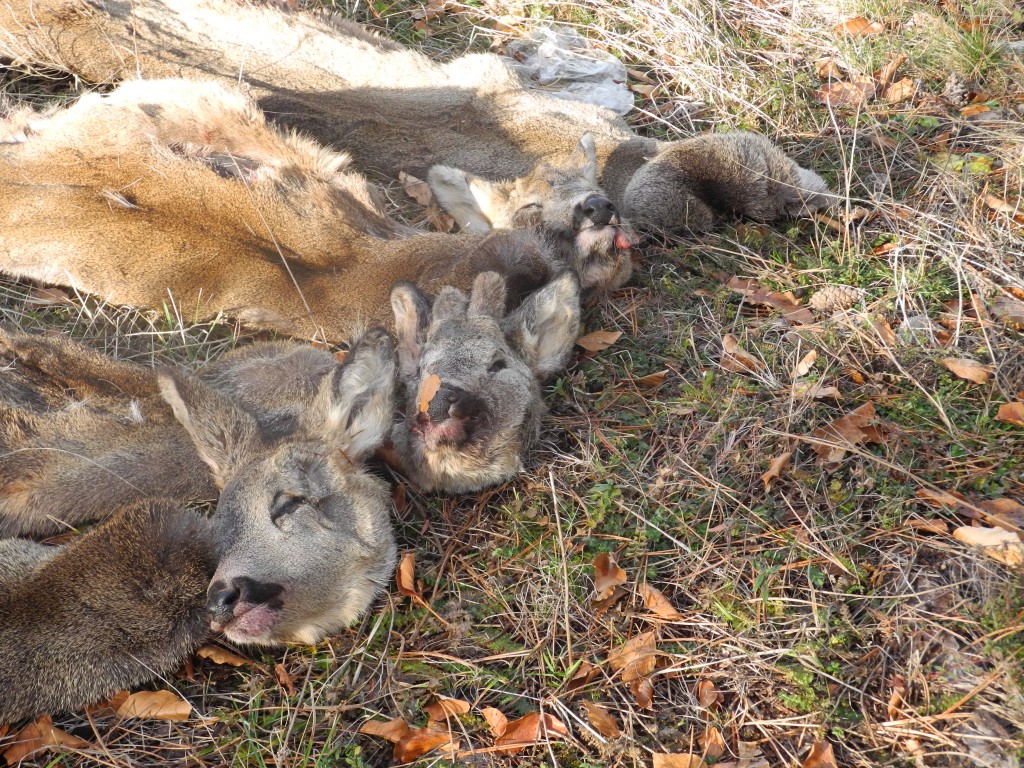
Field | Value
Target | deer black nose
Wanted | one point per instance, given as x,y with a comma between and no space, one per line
598,209
453,402
222,598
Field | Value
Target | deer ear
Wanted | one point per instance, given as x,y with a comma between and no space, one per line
476,204
585,156
544,328
488,295
355,406
226,437
412,318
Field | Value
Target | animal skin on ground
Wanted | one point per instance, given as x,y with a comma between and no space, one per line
393,109
178,193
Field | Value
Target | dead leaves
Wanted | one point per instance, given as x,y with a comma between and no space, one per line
598,341
430,388
155,705
856,427
410,743
405,578
841,93
820,756
534,728
636,658
658,604
446,707
40,736
736,359
774,472
785,302
971,370
1011,413
602,720
997,543
662,760
608,581
219,655
858,26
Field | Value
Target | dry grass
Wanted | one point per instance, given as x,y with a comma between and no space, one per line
833,605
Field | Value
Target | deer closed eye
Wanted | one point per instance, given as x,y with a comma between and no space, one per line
284,505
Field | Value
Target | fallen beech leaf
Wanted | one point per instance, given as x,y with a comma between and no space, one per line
392,730
445,707
636,657
107,707
526,731
405,577
39,735
415,188
931,526
941,498
899,690
899,91
997,543
598,340
284,679
658,604
1009,312
999,205
774,472
968,369
737,359
805,364
581,677
600,606
887,73
1011,413
1004,512
853,428
607,575
814,390
711,742
708,695
430,388
974,109
496,720
643,692
843,94
662,760
418,742
644,89
785,302
155,705
820,756
858,26
652,380
602,720
880,327
219,655
828,69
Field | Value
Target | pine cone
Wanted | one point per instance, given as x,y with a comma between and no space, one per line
835,297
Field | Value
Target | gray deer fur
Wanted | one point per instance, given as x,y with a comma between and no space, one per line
300,543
